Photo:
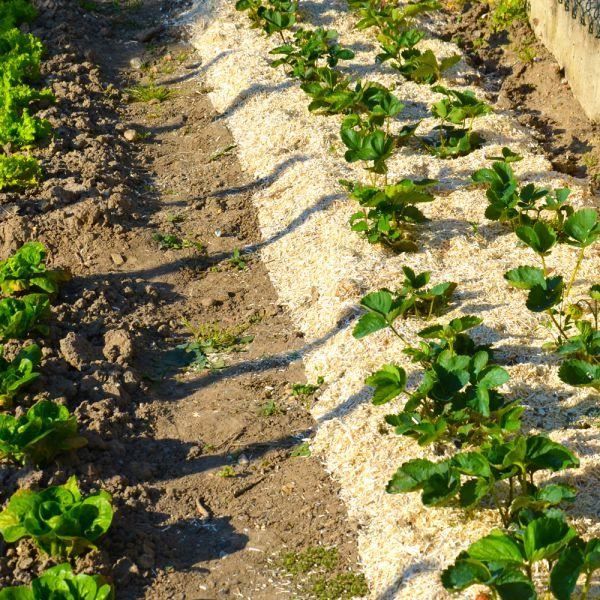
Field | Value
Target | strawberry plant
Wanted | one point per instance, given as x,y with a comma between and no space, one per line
21,316
329,91
17,373
413,298
272,16
44,431
390,212
456,400
423,67
302,56
26,270
59,582
549,294
504,560
454,136
379,13
366,143
59,520
469,477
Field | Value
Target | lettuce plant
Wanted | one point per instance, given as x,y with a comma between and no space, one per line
15,12
60,582
21,316
58,519
413,298
44,431
16,374
389,213
26,270
19,172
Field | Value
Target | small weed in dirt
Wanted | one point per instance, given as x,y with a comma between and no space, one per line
306,389
237,261
175,218
148,92
170,241
344,585
222,152
526,51
227,471
213,339
319,565
301,450
506,12
311,559
271,409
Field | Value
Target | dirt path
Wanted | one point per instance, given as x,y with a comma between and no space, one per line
202,465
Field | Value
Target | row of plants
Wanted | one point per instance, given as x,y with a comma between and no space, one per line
60,520
20,129
389,211
458,404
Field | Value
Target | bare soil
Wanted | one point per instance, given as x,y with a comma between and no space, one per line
523,76
161,435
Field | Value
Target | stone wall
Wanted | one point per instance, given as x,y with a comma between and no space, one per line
576,50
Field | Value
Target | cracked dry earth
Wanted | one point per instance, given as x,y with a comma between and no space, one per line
162,436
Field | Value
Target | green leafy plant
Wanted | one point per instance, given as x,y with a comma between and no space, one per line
58,519
308,49
44,431
272,16
15,12
60,582
17,373
209,340
413,298
21,316
237,261
454,136
26,270
148,92
549,294
169,241
504,560
390,212
19,172
469,477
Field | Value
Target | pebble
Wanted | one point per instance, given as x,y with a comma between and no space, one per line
131,135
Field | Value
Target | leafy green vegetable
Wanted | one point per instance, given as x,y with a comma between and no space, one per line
58,519
60,582
44,431
16,374
26,269
19,172
21,316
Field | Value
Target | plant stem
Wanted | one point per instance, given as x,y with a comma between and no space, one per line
398,334
575,270
585,590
